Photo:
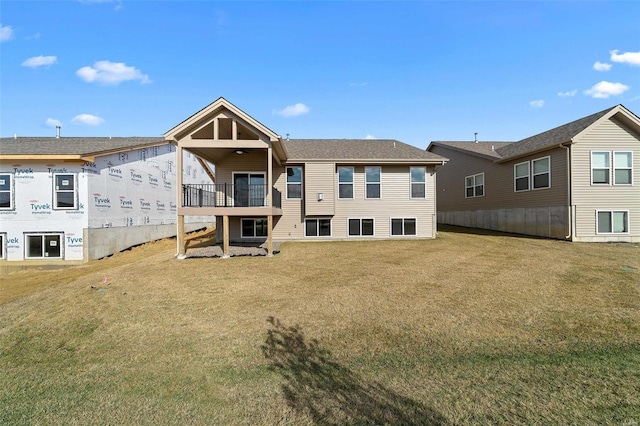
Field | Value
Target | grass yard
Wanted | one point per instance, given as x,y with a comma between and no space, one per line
464,329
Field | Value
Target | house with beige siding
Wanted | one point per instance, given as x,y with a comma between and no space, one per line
268,188
579,181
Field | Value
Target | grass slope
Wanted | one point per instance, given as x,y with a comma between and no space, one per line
464,329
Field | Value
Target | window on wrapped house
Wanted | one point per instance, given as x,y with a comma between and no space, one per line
403,226
6,191
372,182
474,185
64,192
43,246
294,183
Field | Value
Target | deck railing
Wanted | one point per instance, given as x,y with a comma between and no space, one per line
227,195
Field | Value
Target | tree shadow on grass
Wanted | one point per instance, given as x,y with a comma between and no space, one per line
330,393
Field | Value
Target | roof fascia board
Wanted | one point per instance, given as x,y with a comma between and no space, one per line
129,148
368,161
537,151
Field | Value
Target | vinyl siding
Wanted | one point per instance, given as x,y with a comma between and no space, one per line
607,135
498,182
319,177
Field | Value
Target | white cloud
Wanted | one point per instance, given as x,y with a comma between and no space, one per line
111,73
293,110
537,104
567,94
6,33
88,119
631,58
369,137
39,61
52,122
600,66
604,89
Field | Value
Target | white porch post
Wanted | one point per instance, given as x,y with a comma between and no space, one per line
270,201
225,236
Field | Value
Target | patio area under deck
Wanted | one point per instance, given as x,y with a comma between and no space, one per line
240,148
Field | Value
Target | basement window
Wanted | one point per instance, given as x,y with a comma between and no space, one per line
403,226
612,222
254,228
361,227
43,246
317,227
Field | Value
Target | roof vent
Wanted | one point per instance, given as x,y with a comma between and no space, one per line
58,132
475,137
287,138
493,147
15,136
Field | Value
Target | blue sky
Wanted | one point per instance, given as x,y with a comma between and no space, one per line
412,71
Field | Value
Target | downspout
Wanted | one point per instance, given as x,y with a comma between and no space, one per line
569,206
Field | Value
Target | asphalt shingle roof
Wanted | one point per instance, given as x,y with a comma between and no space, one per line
488,149
71,146
551,137
355,149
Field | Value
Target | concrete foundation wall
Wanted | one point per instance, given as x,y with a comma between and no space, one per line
106,241
551,222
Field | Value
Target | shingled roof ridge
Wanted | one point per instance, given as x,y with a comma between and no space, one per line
554,136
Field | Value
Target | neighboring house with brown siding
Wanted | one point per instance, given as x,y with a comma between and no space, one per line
270,189
579,181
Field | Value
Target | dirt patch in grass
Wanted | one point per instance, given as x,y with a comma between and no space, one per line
463,329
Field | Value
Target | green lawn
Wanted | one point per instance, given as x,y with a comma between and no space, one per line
463,329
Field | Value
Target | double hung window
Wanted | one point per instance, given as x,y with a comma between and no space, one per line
541,171
418,182
294,183
474,185
372,182
6,191
345,182
521,175
601,166
65,192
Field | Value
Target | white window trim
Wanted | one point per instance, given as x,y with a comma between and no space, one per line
353,185
366,183
403,235
614,168
361,219
411,183
516,177
612,211
56,191
317,220
42,235
287,183
233,180
12,204
591,166
533,175
474,185
3,245
253,219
